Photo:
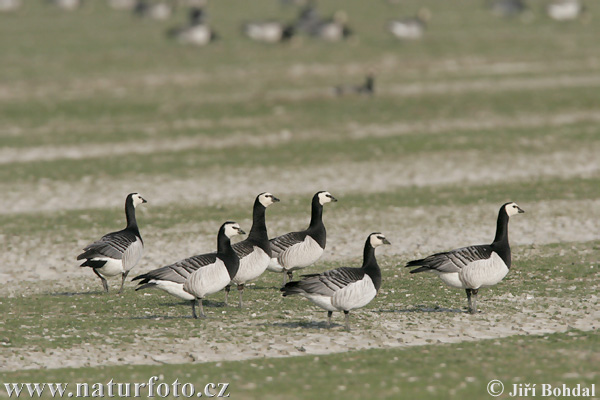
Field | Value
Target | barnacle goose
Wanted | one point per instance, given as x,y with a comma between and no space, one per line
254,254
268,31
157,11
474,267
565,10
333,29
117,252
368,87
506,8
297,250
343,289
68,5
212,277
197,32
410,28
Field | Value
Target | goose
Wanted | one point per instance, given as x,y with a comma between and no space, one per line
157,11
507,8
333,29
254,254
213,277
197,32
410,28
368,87
68,5
297,250
308,19
474,267
268,31
9,5
565,10
343,289
117,252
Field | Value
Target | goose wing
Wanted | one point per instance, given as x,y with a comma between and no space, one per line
113,245
452,261
179,271
326,283
281,243
243,248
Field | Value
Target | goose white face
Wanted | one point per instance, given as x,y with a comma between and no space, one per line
326,197
377,239
137,199
266,199
233,229
512,209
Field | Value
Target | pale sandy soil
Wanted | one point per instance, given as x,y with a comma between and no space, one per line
414,232
301,333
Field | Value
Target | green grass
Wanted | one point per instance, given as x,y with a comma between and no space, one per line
444,371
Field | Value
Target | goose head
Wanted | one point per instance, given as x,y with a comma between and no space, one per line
325,197
231,229
377,239
136,199
266,199
512,208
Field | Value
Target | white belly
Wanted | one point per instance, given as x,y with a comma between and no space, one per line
274,266
355,295
111,268
483,273
451,279
321,301
173,288
300,255
252,266
207,280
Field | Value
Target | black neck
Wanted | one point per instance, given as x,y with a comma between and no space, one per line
130,215
500,244
316,218
258,232
316,229
370,264
225,252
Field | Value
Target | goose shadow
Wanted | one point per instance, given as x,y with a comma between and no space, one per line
425,309
69,294
302,324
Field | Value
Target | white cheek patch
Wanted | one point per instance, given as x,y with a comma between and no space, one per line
512,209
324,198
264,200
232,230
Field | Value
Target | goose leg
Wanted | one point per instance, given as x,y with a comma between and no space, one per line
104,282
347,313
241,293
202,315
290,275
284,277
474,309
469,299
123,280
329,314
227,289
194,315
